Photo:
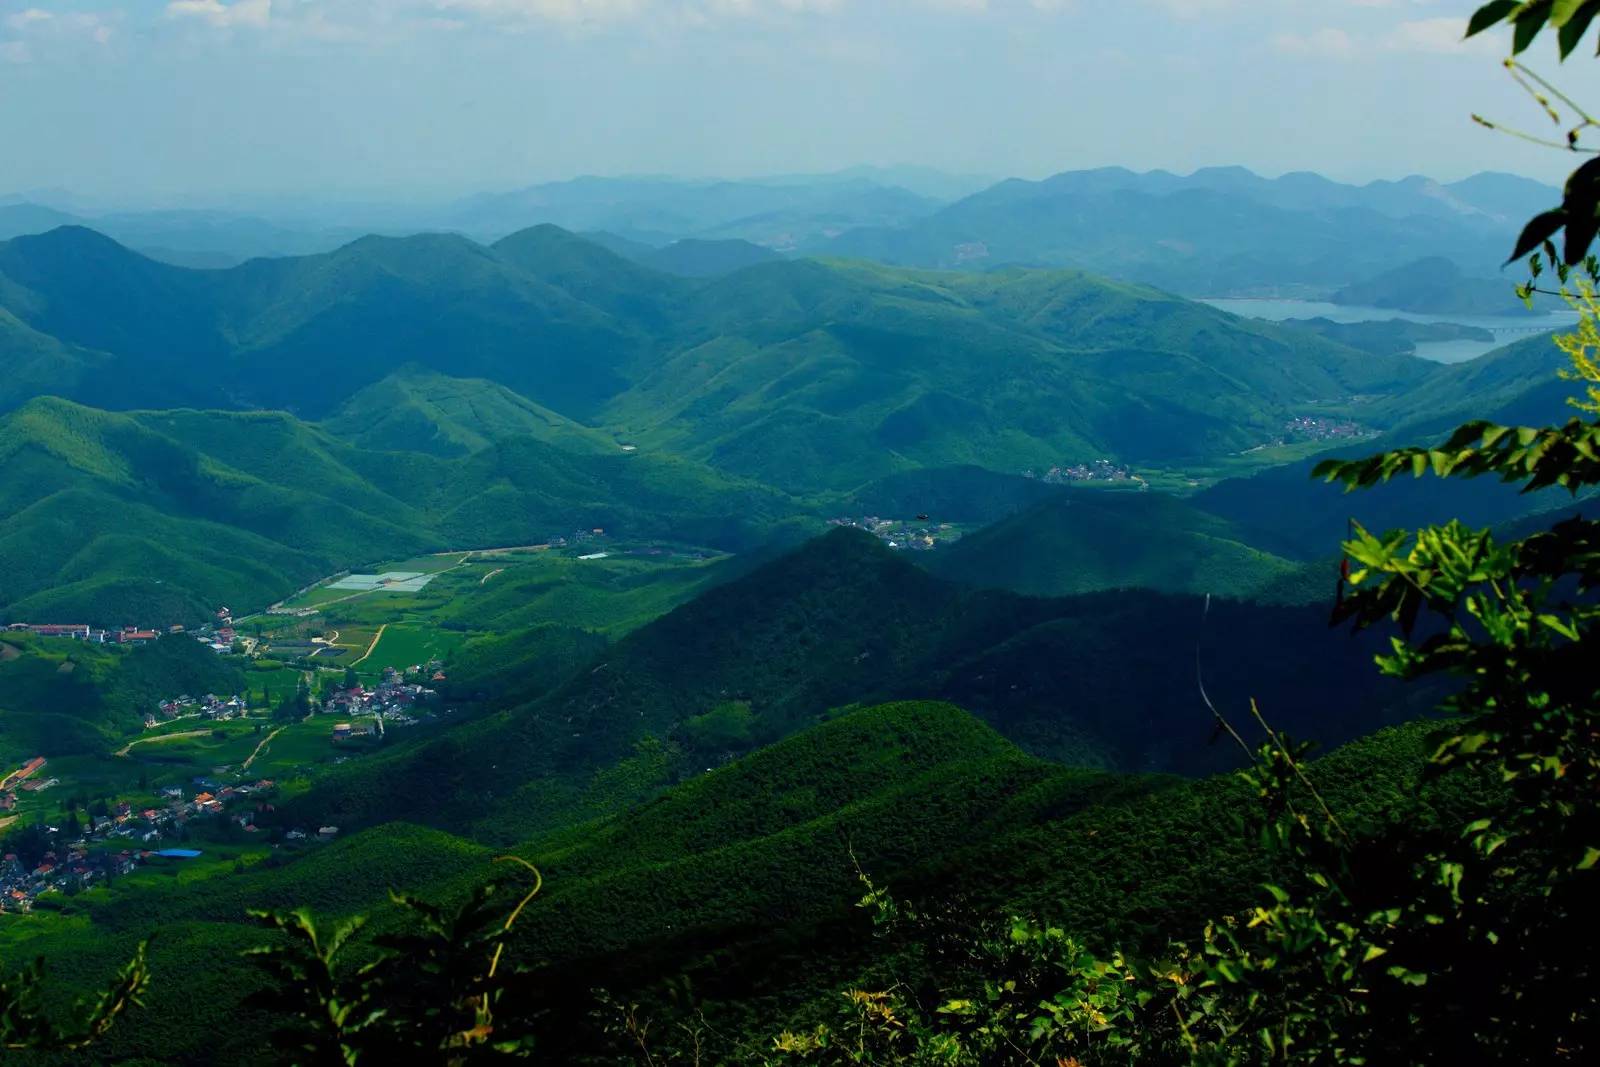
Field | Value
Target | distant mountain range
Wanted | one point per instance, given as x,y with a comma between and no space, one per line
1221,231
802,373
175,436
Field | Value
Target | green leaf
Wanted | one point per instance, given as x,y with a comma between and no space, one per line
1562,11
1529,21
1538,230
1490,14
1575,26
1581,228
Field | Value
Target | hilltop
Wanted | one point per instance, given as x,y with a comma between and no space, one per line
1100,680
1087,540
845,371
744,879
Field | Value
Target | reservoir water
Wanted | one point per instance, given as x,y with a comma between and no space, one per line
1506,328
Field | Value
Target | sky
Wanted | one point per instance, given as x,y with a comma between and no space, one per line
199,101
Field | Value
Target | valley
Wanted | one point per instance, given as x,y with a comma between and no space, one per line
726,573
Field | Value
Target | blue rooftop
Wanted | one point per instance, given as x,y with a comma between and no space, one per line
179,853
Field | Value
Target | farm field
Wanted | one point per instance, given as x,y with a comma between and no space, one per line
404,645
472,594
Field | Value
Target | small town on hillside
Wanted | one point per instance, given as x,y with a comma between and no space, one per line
83,859
918,535
117,837
1100,470
1320,428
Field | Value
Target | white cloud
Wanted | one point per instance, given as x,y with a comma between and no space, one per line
96,28
253,13
14,52
27,17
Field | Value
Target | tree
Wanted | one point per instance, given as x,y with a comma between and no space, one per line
433,995
24,1026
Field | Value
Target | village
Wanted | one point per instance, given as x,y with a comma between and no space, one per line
219,636
86,844
1101,470
1321,428
115,839
918,535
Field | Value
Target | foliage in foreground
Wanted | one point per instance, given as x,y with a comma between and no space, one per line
432,994
24,1024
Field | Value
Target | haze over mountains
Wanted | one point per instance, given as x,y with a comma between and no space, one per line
685,658
432,391
1221,231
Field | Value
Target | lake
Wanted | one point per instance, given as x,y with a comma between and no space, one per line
1506,328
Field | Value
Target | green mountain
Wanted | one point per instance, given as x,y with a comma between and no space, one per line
64,698
37,364
1435,286
583,390
843,620
160,516
744,879
1219,231
1293,515
1084,541
422,411
813,375
1386,337
804,374
305,333
1519,383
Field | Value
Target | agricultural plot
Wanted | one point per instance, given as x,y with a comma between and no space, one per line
405,645
425,608
388,581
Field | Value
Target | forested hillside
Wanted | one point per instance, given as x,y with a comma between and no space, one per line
1104,680
1083,541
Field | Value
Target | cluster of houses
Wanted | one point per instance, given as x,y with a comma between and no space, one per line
920,535
394,701
1101,470
210,706
76,865
27,779
219,639
1318,428
82,631
219,636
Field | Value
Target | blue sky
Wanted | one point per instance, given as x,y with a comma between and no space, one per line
203,99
